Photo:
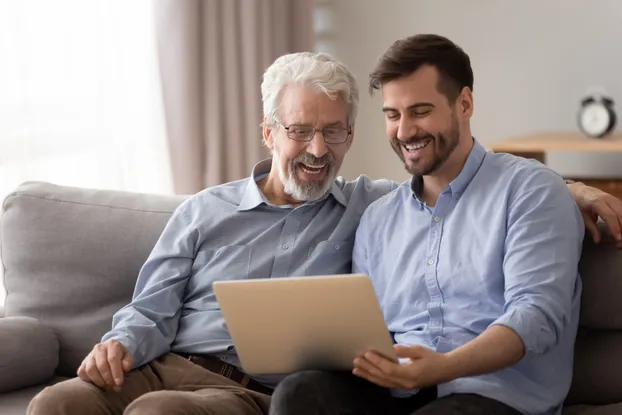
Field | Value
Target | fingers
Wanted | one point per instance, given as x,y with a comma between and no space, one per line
92,372
616,207
592,227
105,365
612,215
127,361
414,352
374,379
115,363
101,361
82,371
381,371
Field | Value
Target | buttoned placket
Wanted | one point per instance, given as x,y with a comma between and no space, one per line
285,248
431,269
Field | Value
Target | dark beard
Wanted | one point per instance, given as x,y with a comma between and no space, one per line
446,143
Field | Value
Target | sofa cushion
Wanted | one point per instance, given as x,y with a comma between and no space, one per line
601,273
71,257
597,377
28,353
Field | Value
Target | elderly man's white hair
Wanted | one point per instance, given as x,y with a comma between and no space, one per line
317,71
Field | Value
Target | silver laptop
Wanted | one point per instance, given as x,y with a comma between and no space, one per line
284,325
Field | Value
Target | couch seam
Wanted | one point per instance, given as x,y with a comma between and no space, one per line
86,204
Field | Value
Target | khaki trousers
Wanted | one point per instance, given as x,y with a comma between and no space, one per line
167,385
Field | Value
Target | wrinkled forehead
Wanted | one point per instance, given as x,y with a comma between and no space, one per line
302,105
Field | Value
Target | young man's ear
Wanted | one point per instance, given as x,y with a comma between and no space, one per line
465,103
268,136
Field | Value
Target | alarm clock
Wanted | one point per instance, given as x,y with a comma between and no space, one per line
597,117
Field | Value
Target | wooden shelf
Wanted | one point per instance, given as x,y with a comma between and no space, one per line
537,145
557,141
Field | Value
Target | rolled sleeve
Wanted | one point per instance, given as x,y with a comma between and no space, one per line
545,231
148,325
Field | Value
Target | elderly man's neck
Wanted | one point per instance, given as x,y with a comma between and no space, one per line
273,189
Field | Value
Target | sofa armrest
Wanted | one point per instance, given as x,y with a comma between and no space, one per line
28,353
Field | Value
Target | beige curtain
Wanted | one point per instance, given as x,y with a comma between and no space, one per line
212,55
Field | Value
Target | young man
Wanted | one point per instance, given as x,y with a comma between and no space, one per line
474,261
168,350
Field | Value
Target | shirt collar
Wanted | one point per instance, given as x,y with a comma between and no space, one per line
254,197
460,183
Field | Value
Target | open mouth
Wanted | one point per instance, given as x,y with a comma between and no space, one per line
411,148
312,170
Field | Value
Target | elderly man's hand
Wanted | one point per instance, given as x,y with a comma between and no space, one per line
595,203
106,365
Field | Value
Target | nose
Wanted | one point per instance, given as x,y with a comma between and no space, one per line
406,129
317,145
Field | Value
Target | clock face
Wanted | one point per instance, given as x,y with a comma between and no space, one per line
594,119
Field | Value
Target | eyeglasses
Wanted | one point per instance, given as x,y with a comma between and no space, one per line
332,135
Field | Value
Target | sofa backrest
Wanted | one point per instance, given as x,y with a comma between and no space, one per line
597,375
71,257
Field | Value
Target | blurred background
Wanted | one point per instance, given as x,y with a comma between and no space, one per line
162,96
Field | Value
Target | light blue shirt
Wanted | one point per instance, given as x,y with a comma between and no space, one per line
501,246
232,232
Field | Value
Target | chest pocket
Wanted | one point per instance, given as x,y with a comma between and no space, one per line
229,262
330,257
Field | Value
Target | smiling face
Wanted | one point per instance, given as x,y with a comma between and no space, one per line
423,126
306,169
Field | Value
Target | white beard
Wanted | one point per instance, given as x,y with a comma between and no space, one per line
308,193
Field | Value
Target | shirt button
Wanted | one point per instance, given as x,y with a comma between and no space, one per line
430,261
337,247
285,246
436,219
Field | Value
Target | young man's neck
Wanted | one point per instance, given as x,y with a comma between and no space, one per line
435,183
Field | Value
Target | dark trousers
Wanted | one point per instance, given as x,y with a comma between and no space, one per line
330,393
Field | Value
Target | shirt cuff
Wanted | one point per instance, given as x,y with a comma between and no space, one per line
536,335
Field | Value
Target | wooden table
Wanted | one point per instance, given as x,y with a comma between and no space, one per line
537,145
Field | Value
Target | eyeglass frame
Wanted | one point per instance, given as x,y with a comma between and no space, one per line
315,130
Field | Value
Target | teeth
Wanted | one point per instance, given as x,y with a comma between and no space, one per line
411,147
308,166
310,169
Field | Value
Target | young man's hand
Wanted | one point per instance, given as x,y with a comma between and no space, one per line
424,367
595,203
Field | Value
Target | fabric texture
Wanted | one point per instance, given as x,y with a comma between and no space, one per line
28,353
230,232
74,283
167,385
71,257
519,269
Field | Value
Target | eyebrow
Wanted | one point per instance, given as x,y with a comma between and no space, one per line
410,107
335,124
332,124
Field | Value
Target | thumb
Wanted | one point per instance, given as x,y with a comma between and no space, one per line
592,227
413,352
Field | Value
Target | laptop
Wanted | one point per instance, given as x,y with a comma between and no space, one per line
284,325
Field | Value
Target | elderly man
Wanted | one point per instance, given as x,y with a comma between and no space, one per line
474,261
168,350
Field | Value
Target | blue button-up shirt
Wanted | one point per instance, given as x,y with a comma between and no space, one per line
232,232
500,246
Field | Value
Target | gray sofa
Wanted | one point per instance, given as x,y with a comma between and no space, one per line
71,257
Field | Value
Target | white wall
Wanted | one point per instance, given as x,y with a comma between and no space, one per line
532,59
